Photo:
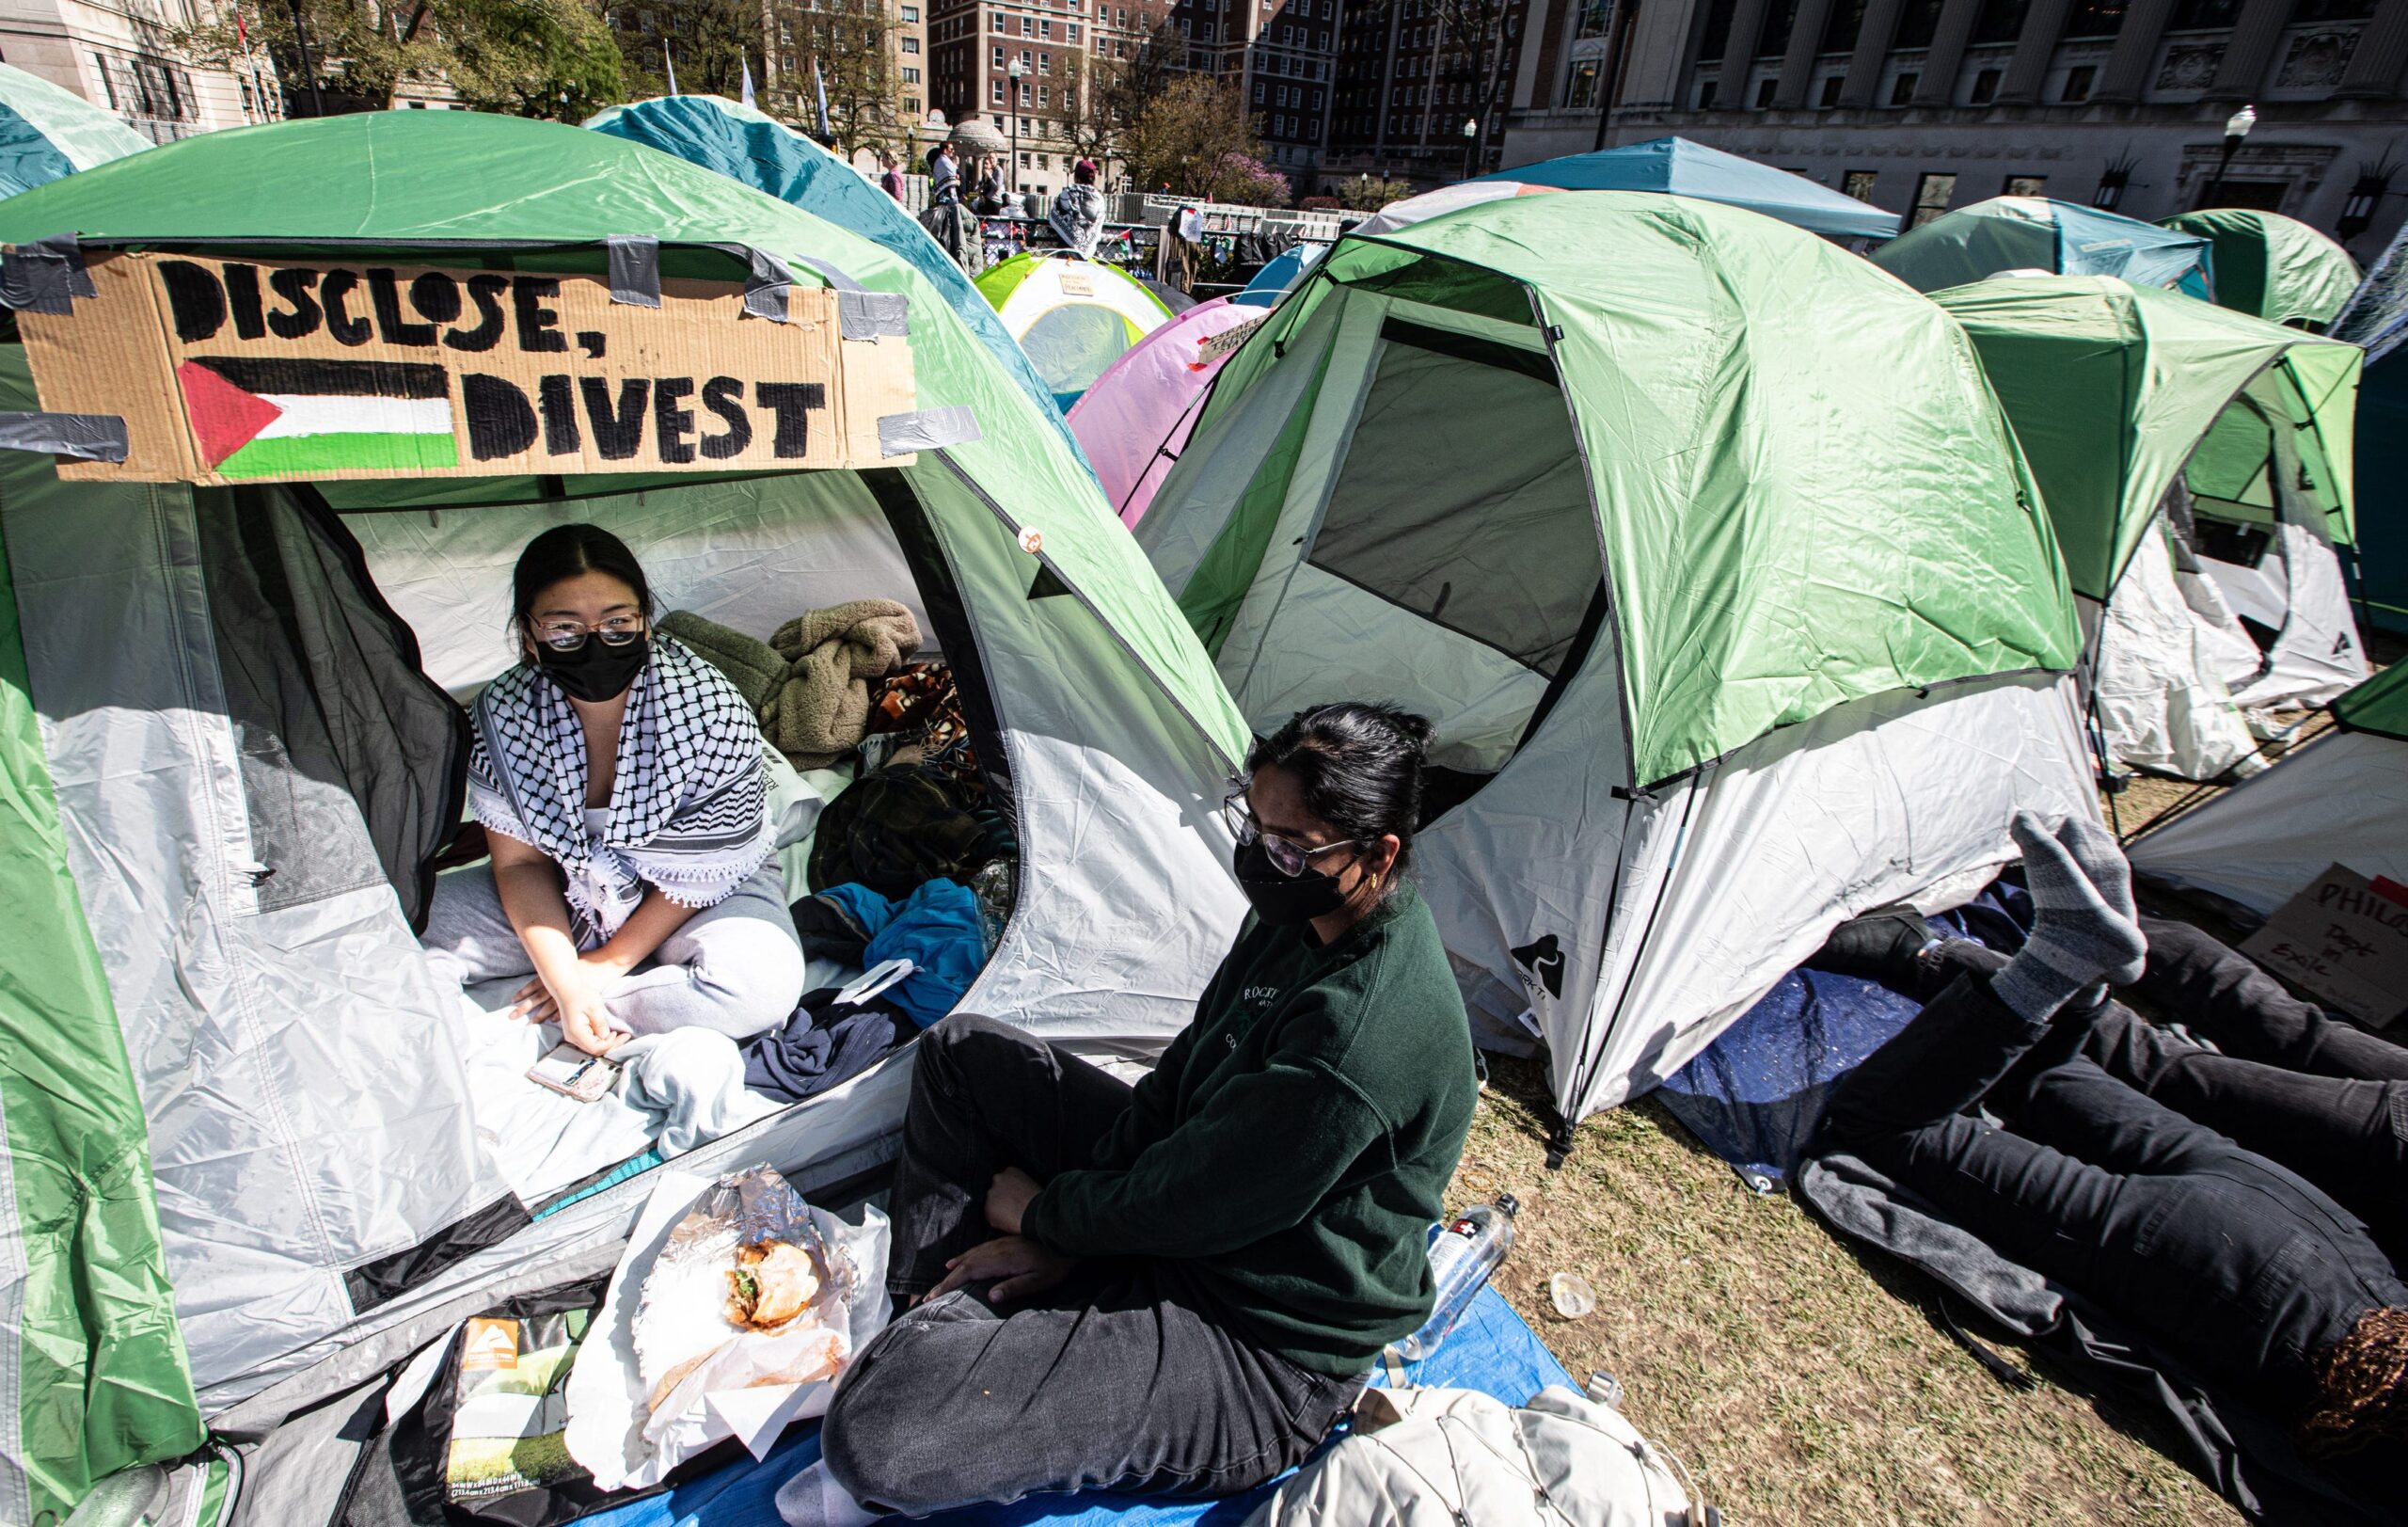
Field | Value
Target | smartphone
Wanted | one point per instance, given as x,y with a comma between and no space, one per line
572,1073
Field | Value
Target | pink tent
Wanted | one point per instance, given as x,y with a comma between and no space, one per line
1135,420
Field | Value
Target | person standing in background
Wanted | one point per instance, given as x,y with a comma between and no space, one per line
890,174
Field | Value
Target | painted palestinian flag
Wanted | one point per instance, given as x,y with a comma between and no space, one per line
284,418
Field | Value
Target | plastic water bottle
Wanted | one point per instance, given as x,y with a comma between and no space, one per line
1463,1252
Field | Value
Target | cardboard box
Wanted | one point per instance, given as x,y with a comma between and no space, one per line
2345,940
253,371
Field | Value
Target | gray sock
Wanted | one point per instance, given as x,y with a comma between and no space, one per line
2084,932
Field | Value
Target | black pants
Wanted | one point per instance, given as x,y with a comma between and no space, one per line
1124,1379
2327,1100
2233,1264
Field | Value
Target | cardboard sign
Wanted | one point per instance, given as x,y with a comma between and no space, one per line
1225,343
2345,939
232,371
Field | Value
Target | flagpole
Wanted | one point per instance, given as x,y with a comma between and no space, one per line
671,63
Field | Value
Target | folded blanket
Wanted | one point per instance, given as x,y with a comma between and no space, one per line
752,665
833,657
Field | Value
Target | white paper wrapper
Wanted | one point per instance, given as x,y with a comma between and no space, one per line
612,1429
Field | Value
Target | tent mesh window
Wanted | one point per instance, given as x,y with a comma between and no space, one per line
1073,344
1462,498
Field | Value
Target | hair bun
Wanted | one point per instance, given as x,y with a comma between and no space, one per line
1416,728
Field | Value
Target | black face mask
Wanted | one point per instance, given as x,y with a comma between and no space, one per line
1283,901
596,671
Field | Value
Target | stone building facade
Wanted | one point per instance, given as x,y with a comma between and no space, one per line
1423,88
117,55
1919,105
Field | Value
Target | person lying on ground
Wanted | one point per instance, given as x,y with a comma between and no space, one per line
624,788
2234,1267
2284,1079
1179,1287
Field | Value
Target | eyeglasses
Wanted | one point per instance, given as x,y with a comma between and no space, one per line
569,635
1288,856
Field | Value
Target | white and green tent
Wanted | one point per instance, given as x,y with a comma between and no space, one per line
247,1167
2196,463
47,131
1706,547
1073,315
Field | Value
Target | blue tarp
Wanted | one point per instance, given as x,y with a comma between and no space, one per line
1491,1350
47,131
766,154
1680,167
1755,1094
1975,243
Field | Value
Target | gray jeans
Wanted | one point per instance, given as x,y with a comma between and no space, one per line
735,966
1127,1377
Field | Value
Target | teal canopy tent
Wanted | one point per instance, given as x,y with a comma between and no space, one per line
46,132
1691,169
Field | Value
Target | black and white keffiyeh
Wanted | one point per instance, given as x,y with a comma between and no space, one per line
688,806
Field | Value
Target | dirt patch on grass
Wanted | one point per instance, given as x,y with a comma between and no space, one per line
1801,1382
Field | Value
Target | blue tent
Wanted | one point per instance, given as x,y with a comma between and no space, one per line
764,153
1284,272
46,132
1680,167
1975,243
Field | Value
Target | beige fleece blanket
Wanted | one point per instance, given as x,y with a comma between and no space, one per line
835,658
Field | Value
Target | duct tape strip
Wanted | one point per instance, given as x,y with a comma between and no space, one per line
84,436
873,315
836,278
45,275
925,430
764,286
635,270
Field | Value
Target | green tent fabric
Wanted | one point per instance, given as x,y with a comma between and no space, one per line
466,176
1800,503
2271,266
2112,389
2037,233
2379,705
47,131
104,1364
766,154
94,1366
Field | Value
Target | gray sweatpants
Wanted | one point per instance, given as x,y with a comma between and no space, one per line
735,966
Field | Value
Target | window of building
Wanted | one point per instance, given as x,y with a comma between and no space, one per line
1986,86
911,76
1858,184
910,14
999,21
2001,20
2078,82
1705,95
1830,96
2095,19
1042,94
910,44
101,62
1763,93
2026,185
1580,88
1027,59
1932,194
1315,101
912,103
1260,91
999,55
1045,63
996,90
1024,95
1072,30
1902,90
1045,27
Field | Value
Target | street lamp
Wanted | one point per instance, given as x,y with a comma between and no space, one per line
1016,70
1471,141
2236,127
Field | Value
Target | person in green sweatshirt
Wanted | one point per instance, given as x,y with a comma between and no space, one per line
1179,1287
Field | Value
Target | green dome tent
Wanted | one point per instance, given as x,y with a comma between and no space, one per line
2006,233
1706,548
766,154
249,1161
47,131
1073,315
2195,462
2271,266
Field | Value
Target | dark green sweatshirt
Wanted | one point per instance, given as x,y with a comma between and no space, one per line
1295,1143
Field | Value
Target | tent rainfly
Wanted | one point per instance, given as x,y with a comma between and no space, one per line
766,154
2340,797
2195,462
1672,166
2271,266
2375,317
47,131
1718,651
1073,315
255,1156
1136,419
2027,233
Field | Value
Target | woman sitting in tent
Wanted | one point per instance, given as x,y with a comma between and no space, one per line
1179,1287
623,790
2237,1268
